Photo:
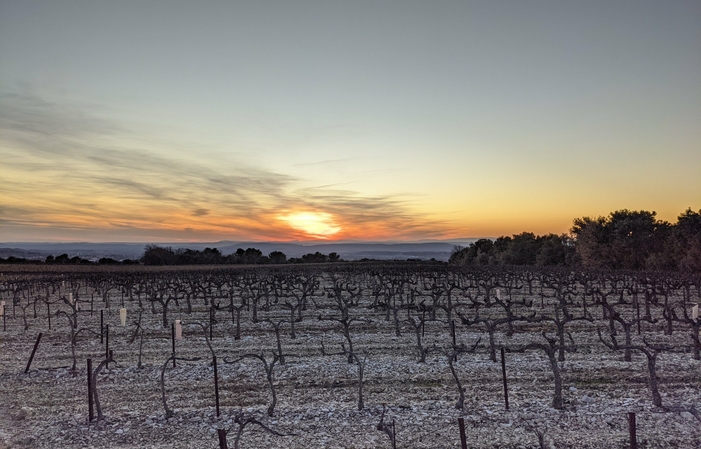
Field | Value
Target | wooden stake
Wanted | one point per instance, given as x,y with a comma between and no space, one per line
91,413
216,384
463,437
452,333
31,357
172,337
503,375
107,345
632,430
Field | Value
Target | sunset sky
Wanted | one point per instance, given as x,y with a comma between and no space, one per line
154,121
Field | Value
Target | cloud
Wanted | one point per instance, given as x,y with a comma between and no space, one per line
66,167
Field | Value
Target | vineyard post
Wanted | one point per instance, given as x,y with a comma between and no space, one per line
452,334
107,345
216,384
91,413
102,327
463,437
48,314
503,375
172,338
632,430
31,357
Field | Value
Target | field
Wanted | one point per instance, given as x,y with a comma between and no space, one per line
360,333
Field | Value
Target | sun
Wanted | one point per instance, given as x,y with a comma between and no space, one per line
314,224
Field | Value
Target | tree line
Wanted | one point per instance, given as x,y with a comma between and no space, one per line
624,240
160,255
64,259
165,255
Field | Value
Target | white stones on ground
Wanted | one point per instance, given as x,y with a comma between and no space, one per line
687,415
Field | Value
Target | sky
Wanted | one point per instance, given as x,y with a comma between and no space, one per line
155,121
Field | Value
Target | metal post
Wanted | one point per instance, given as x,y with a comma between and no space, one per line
463,437
452,334
172,337
31,357
632,430
216,384
107,345
91,413
503,375
102,326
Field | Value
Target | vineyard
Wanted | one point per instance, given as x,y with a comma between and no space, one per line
348,356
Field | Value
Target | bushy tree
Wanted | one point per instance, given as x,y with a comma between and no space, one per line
277,257
158,255
525,248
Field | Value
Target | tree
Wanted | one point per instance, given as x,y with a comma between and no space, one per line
158,255
687,240
317,257
248,256
555,250
478,253
623,240
521,250
277,257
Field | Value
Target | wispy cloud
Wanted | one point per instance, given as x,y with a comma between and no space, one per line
68,168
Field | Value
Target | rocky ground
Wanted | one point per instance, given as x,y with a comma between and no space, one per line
317,394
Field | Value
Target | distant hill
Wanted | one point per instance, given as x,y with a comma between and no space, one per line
32,250
347,251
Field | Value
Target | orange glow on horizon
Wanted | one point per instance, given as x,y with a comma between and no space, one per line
314,224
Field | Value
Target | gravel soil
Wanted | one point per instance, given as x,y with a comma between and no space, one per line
317,393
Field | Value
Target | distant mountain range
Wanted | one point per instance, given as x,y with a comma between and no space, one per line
348,251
